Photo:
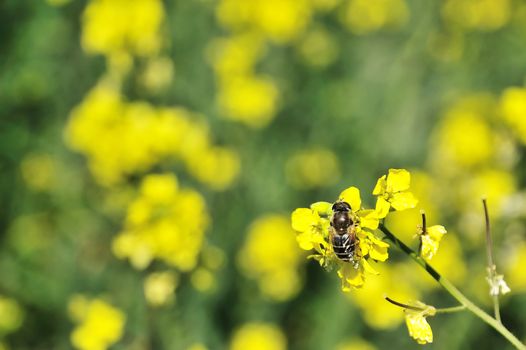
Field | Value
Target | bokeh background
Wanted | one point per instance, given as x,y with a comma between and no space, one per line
151,153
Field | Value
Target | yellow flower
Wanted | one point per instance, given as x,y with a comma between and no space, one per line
271,256
478,14
313,227
258,336
430,239
513,110
392,190
417,324
100,324
159,287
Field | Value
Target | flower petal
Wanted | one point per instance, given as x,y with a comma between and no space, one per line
322,208
398,180
418,327
382,207
303,219
369,218
403,200
352,196
351,277
368,268
380,187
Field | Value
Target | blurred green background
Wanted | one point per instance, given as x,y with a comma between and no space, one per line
152,151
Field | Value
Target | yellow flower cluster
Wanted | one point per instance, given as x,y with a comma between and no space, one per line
121,138
164,222
272,257
364,16
477,14
258,336
115,27
99,324
467,141
243,94
315,231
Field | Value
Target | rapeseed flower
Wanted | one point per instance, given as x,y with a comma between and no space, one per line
159,287
271,256
258,336
417,324
392,190
430,240
164,222
100,324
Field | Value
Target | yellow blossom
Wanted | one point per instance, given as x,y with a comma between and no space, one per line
417,324
363,16
477,14
112,26
249,99
163,222
157,74
271,256
309,168
258,336
392,190
430,239
100,324
159,287
313,225
513,110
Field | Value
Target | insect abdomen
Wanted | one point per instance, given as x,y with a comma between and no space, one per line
344,247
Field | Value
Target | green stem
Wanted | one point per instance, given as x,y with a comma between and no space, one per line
449,310
455,293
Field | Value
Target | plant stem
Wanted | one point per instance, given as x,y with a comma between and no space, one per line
492,268
451,289
449,310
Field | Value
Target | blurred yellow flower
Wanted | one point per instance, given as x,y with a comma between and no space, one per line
477,14
515,268
370,299
430,239
279,20
258,336
513,110
159,287
163,222
392,190
272,257
318,48
249,99
39,171
463,138
417,324
11,315
121,138
202,279
113,26
157,74
100,324
316,167
364,16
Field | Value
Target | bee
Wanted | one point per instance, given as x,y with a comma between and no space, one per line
342,233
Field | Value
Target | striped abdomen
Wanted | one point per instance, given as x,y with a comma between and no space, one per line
344,246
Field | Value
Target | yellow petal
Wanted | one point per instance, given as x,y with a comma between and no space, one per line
352,196
403,200
322,208
303,219
398,180
418,327
351,277
380,186
369,218
431,241
305,240
382,207
368,268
